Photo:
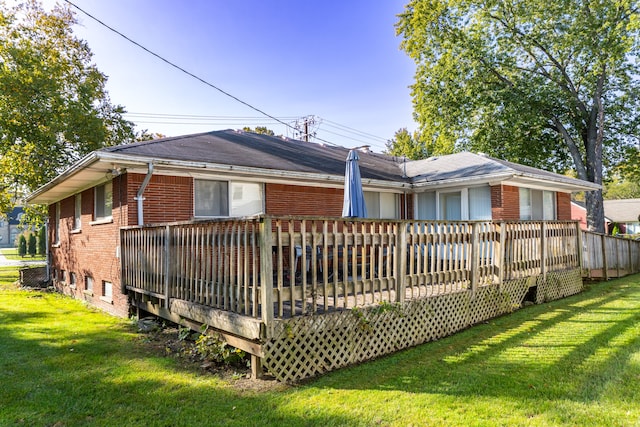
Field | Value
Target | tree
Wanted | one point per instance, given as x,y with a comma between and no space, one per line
259,129
42,240
31,245
548,84
617,188
145,135
22,245
406,145
54,108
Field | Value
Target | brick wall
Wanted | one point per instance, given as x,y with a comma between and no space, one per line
505,202
166,198
90,251
563,206
282,199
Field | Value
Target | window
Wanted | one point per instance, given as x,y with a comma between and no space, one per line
103,201
88,285
77,214
451,206
465,204
72,280
537,204
382,205
63,276
56,226
222,198
107,291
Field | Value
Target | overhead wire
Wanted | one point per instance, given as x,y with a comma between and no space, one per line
235,98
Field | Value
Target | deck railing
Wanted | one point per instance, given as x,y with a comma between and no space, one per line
312,265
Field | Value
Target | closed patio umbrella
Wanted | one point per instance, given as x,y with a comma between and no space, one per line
354,205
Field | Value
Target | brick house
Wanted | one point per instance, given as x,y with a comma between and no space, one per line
235,173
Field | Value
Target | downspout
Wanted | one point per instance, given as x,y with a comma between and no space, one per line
139,197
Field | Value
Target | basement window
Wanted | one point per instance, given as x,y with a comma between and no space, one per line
107,292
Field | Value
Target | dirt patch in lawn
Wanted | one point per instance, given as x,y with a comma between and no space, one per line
204,354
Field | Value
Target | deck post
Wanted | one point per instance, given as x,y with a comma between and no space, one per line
475,256
266,273
543,250
167,268
401,261
500,254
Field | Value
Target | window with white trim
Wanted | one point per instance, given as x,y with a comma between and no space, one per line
464,204
56,226
537,204
227,198
77,213
103,201
382,205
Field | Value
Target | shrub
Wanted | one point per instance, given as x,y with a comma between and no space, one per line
22,245
31,245
42,241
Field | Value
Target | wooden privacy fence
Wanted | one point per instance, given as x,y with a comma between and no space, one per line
306,265
605,257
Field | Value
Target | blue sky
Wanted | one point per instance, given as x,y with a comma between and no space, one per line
337,60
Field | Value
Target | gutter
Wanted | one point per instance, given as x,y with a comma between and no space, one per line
139,197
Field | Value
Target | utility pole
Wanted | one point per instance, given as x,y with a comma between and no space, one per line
306,127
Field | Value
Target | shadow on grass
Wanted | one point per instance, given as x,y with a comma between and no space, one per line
62,364
571,349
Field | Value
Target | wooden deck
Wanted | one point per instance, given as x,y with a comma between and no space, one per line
248,277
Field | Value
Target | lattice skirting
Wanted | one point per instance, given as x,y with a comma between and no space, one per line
308,346
558,284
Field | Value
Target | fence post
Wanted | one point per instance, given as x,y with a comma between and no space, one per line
580,248
543,250
266,273
605,264
401,261
167,267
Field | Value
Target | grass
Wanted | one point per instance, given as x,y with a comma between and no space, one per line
569,362
12,254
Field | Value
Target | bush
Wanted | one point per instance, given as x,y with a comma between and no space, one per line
22,245
31,245
42,241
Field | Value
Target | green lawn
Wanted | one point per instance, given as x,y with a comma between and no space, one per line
12,254
571,362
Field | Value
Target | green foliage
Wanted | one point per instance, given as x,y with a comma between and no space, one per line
547,84
259,129
22,245
54,108
42,240
31,245
621,189
215,349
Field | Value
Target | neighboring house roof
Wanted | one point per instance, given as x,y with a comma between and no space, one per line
622,210
256,156
13,217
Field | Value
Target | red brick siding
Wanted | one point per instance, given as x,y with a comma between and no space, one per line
505,202
563,206
91,251
282,199
167,198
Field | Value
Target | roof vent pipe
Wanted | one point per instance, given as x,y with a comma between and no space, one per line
139,197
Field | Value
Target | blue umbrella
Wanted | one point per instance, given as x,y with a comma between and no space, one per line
354,205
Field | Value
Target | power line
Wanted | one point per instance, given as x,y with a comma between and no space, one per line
174,65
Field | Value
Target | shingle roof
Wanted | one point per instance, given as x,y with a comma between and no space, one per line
239,148
623,210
